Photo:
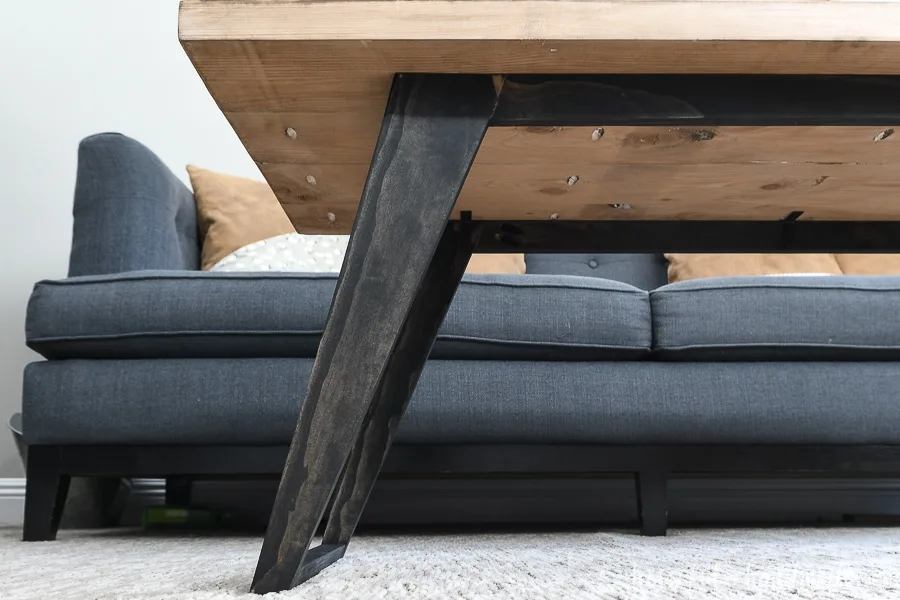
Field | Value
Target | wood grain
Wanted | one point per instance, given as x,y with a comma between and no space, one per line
324,70
502,20
352,140
733,191
337,76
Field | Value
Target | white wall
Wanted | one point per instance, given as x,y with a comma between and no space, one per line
67,70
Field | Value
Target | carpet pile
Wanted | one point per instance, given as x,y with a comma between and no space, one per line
821,563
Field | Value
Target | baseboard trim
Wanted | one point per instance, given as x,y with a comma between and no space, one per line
691,500
12,500
144,492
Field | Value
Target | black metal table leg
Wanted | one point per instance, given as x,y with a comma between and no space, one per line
398,381
430,135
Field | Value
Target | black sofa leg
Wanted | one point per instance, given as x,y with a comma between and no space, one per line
46,489
653,510
178,490
114,493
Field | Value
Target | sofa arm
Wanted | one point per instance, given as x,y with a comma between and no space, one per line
131,212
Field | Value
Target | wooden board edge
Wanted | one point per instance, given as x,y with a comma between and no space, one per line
551,20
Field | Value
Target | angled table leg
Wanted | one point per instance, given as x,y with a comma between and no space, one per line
432,128
398,381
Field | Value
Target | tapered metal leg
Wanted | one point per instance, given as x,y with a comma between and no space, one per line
427,313
430,135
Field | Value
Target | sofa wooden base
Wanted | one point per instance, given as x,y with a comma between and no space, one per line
45,494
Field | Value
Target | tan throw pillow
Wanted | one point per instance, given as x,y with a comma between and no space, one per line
233,212
694,266
869,264
497,263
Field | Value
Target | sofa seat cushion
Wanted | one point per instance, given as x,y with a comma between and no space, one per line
256,400
197,314
778,318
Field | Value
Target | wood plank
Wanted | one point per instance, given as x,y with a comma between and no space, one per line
687,145
653,191
316,140
324,71
244,75
335,76
503,20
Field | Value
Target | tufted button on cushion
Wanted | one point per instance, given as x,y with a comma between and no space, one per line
644,271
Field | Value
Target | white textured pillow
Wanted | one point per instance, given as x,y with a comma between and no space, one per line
289,252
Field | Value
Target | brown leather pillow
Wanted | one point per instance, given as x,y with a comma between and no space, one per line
869,264
234,211
497,263
694,266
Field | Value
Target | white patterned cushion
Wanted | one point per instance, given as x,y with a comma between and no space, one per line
289,252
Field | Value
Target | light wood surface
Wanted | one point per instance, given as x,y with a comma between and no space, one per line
652,191
496,21
305,84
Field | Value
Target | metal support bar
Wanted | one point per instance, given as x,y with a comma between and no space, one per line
702,100
688,236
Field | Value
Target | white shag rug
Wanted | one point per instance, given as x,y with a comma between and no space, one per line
819,563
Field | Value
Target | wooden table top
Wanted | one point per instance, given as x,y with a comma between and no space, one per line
305,84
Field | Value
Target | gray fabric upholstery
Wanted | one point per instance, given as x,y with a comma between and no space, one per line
203,314
778,318
130,211
643,271
255,401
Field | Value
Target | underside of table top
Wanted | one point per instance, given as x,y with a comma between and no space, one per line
305,85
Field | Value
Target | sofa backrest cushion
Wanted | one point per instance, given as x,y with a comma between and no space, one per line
131,212
644,271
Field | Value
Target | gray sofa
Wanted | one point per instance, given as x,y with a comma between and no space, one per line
588,363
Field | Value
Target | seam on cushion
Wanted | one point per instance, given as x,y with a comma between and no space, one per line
166,334
537,343
65,283
177,275
778,345
557,286
791,287
287,278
